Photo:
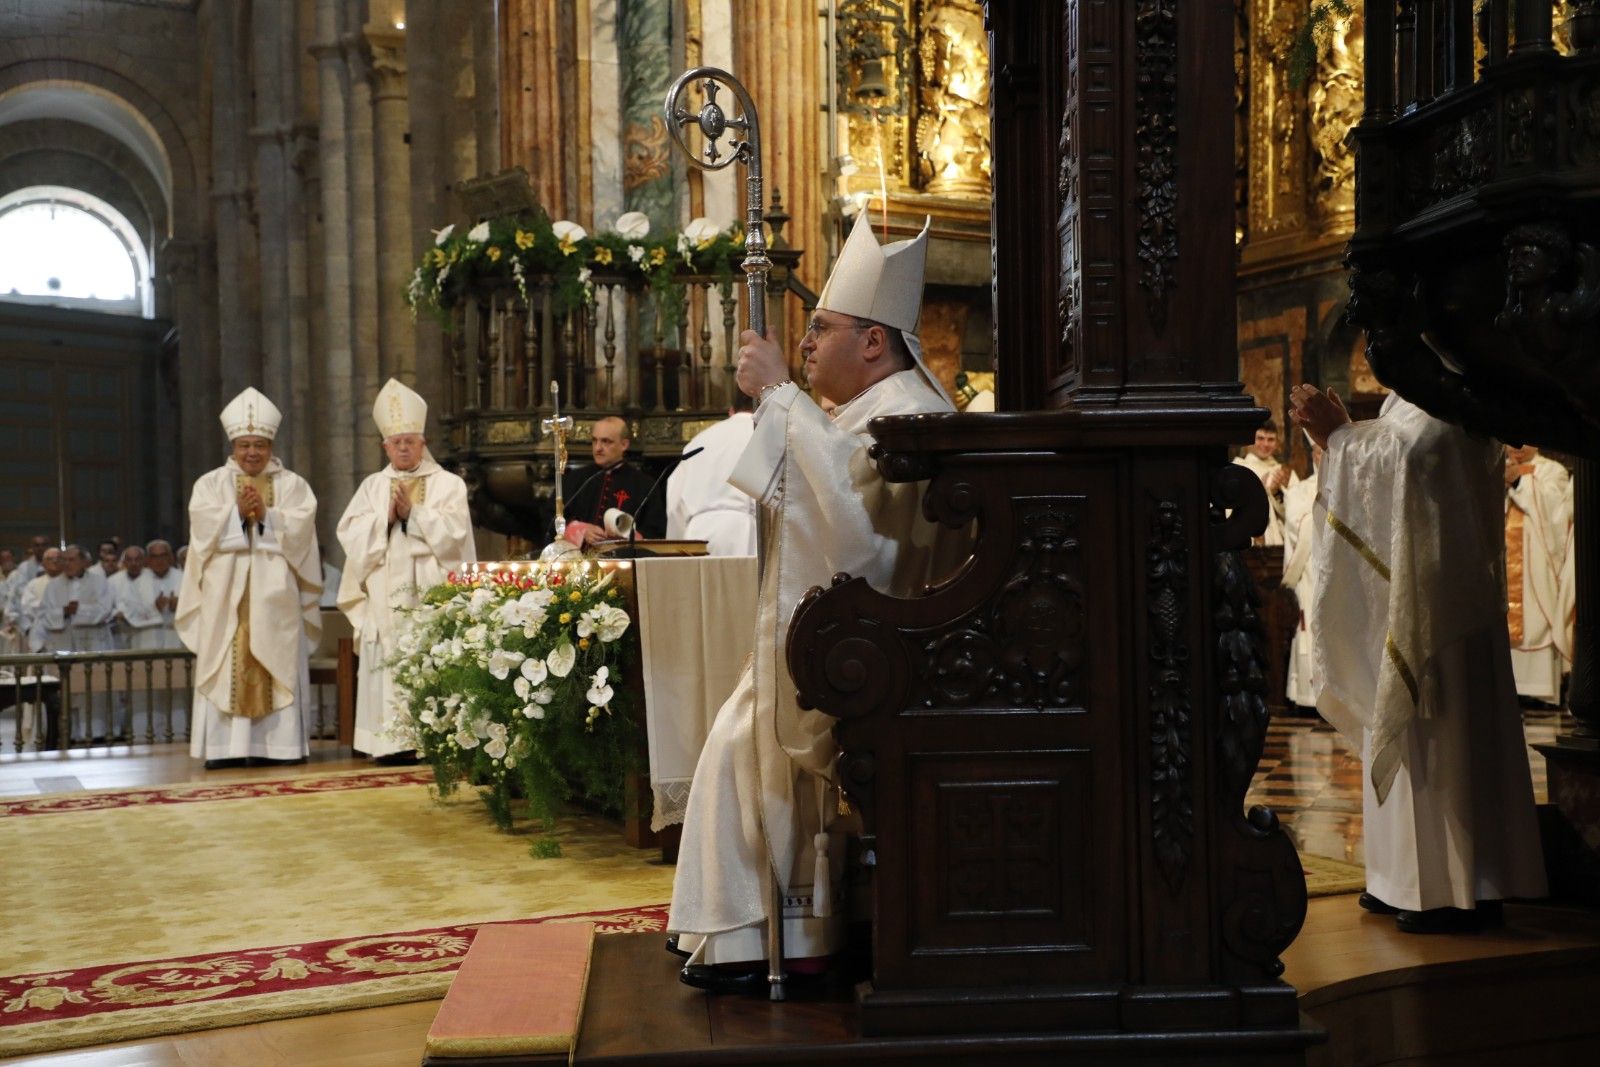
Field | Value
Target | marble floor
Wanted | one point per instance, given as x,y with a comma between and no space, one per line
1312,779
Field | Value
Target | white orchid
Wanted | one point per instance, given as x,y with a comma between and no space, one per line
636,252
542,695
522,687
608,622
561,660
501,662
479,233
496,746
533,711
535,671
466,739
441,236
634,225
599,692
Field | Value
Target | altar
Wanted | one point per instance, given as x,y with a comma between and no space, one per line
694,621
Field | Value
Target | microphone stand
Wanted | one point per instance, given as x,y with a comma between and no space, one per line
633,551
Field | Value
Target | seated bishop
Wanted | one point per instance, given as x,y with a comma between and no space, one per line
764,795
248,605
405,530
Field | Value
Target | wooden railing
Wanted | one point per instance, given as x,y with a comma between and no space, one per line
662,358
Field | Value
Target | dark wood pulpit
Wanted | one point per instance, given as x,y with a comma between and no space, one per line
1050,749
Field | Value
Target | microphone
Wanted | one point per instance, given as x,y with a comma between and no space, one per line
633,551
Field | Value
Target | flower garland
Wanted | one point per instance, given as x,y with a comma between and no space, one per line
517,247
511,684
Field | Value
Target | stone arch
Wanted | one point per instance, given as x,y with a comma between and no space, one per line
47,60
44,152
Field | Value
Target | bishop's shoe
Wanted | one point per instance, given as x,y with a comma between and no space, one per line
724,979
1451,920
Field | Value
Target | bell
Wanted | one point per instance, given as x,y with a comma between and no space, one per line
872,85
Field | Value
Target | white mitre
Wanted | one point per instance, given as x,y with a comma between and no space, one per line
399,409
881,283
251,414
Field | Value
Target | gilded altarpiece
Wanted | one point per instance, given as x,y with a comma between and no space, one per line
911,83
1297,208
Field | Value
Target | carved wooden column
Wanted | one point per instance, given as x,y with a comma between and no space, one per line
1050,750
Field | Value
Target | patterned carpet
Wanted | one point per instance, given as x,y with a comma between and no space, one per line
154,911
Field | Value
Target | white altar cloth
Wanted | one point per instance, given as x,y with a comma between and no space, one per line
697,619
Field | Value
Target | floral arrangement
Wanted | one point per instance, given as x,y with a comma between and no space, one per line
519,246
511,682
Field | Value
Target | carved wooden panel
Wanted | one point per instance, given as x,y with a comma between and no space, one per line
1003,833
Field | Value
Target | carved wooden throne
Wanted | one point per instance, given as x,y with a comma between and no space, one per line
1050,750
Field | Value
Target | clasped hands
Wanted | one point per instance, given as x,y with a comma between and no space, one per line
399,503
251,507
1320,413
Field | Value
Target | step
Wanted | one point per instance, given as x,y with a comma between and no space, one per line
518,995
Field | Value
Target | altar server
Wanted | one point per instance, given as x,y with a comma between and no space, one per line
405,530
248,605
702,505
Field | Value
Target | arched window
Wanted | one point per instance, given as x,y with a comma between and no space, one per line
66,248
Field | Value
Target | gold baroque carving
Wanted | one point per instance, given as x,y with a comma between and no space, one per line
1335,104
510,432
1277,163
952,133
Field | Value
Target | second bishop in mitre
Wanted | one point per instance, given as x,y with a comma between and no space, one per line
405,530
248,606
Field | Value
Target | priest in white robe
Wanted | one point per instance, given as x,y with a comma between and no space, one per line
248,606
405,530
76,606
1300,574
1539,565
763,793
153,601
702,505
1276,478
1414,664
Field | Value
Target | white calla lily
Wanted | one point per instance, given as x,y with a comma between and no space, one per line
634,225
479,233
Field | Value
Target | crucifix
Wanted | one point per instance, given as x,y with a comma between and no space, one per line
714,123
557,427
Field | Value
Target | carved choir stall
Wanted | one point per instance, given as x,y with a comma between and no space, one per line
1475,272
1050,750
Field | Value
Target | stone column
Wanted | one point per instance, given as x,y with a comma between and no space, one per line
272,27
232,208
183,264
363,219
396,344
335,464
539,98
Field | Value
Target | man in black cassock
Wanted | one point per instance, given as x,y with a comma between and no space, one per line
613,482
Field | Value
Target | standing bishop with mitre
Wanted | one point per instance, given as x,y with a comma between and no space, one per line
248,607
763,791
405,530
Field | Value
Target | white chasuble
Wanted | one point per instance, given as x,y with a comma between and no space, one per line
760,798
701,503
1413,664
1300,574
386,569
248,611
1539,578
